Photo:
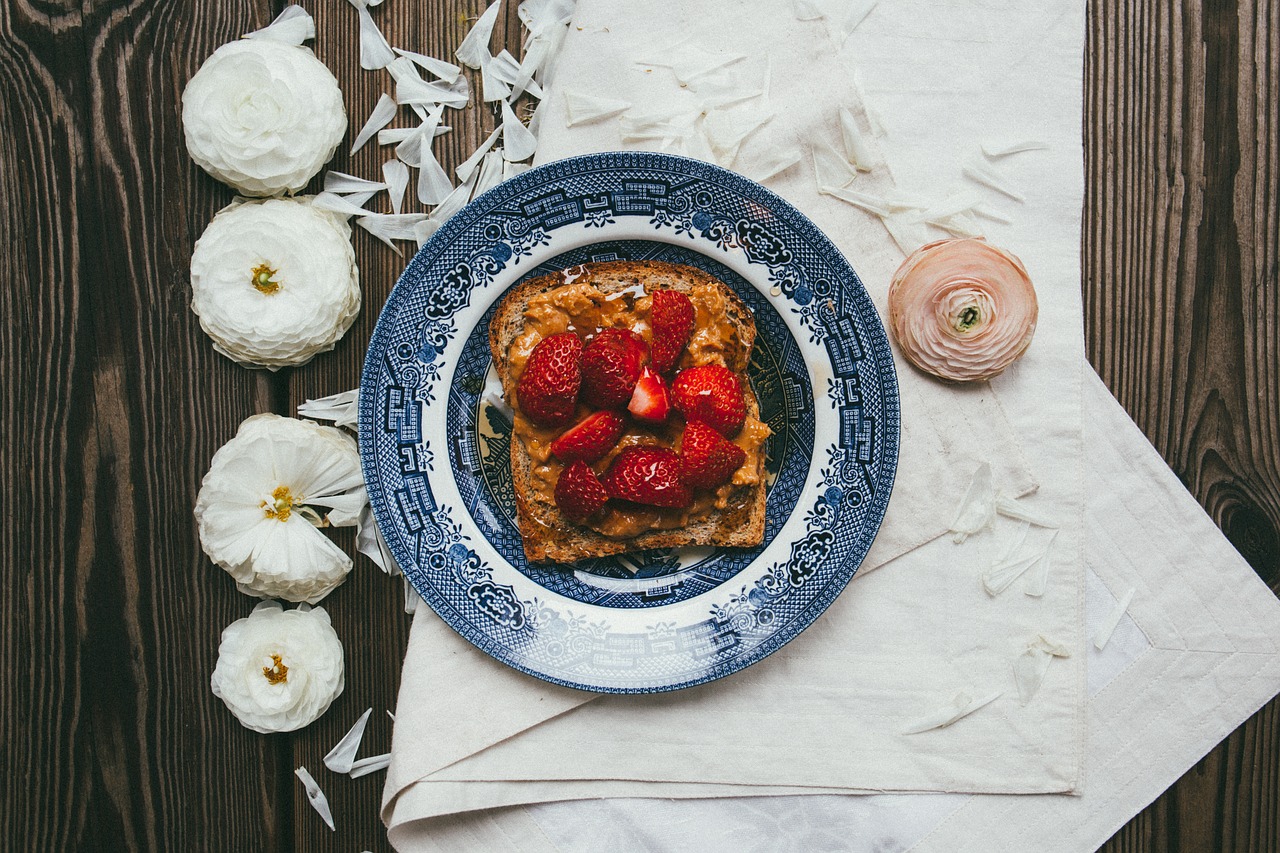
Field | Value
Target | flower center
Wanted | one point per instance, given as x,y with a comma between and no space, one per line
262,279
277,673
968,317
280,505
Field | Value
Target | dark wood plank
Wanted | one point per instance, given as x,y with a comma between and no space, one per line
1180,283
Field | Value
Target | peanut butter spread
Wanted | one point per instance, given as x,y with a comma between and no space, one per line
582,308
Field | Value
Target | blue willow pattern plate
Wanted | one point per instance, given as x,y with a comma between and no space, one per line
435,435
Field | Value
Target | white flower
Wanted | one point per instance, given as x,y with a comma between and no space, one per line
263,116
257,507
274,282
279,670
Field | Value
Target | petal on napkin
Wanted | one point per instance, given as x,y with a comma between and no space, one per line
396,174
1001,576
343,754
961,706
777,161
805,10
475,47
996,150
1030,667
854,15
315,796
978,506
856,147
383,112
979,172
1012,508
830,167
292,26
583,109
1108,627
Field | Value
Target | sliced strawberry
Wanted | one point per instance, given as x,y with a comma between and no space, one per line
708,460
650,401
671,318
548,389
610,366
589,439
579,493
711,394
649,475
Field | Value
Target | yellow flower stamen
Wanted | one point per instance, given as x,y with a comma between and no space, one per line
262,279
277,673
281,505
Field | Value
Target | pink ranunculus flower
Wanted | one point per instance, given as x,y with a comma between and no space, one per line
962,309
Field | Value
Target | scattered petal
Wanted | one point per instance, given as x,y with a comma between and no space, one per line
411,598
369,542
372,764
446,71
518,142
468,166
859,152
583,109
805,10
1001,576
854,15
315,796
510,170
1030,667
961,706
995,151
340,408
978,506
981,173
341,205
391,226
292,26
423,230
1108,626
474,49
490,171
343,184
383,112
1011,508
374,50
343,754
456,199
830,167
396,174
491,85
775,163
434,185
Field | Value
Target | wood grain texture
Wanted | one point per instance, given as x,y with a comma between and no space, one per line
109,736
1181,236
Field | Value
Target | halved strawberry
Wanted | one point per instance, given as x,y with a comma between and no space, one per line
708,460
579,493
712,394
650,401
671,318
610,366
649,475
548,389
589,439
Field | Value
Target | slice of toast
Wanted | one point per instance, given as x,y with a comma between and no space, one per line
738,520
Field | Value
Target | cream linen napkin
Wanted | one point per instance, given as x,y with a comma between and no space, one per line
828,712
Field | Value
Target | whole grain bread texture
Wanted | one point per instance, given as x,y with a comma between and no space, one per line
547,534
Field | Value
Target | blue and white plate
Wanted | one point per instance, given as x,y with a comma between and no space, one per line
435,435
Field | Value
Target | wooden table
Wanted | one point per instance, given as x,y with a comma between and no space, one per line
115,401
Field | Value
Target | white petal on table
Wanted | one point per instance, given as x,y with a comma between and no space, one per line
475,47
343,755
374,50
315,796
383,112
396,174
518,142
292,26
446,71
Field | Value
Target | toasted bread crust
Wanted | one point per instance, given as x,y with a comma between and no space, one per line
546,532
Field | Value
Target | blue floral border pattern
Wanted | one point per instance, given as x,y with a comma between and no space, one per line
680,198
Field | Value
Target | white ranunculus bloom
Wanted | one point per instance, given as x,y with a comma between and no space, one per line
275,282
263,116
279,670
266,492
